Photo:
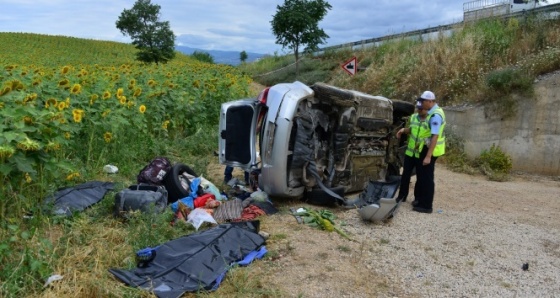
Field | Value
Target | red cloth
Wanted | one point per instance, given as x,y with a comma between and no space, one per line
250,212
200,201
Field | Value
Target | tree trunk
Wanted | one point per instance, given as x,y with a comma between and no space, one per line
296,53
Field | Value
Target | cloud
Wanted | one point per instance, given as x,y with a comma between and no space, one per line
227,24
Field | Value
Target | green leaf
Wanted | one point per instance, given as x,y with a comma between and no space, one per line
25,235
10,136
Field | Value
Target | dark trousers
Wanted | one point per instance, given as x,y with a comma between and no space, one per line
228,174
425,185
409,164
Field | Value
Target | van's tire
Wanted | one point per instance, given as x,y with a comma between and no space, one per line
401,109
175,182
318,196
341,96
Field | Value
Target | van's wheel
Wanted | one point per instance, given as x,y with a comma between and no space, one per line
401,109
177,185
318,196
341,96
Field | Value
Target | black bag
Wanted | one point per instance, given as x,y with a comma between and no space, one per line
155,171
143,197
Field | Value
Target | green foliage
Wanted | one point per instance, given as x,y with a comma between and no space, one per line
243,56
32,251
456,68
455,157
495,163
508,80
203,57
296,24
154,39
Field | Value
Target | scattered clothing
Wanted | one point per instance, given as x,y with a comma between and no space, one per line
229,210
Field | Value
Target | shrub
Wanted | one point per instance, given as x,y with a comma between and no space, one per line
455,157
508,80
495,163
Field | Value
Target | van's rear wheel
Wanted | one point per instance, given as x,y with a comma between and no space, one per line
318,196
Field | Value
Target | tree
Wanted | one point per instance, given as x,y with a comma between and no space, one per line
295,24
154,39
203,57
243,56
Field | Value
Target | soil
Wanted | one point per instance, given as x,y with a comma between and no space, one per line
474,244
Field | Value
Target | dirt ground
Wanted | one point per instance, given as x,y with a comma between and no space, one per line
474,244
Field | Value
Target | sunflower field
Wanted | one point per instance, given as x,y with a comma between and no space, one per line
68,106
65,121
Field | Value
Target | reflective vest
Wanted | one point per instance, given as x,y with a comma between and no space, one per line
418,131
439,150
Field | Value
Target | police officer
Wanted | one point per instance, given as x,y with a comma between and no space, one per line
432,147
417,125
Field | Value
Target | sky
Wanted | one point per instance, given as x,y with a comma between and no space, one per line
228,25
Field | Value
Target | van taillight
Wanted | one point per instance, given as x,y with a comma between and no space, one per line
263,96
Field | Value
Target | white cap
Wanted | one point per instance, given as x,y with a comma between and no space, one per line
428,95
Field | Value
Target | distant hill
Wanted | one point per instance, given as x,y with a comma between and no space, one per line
222,57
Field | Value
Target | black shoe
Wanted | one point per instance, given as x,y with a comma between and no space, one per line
422,210
414,203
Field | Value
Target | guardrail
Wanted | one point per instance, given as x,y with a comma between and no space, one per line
478,4
538,10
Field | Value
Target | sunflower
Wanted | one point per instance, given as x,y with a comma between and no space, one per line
165,124
122,99
142,109
76,89
107,136
27,120
77,114
65,70
27,178
132,82
106,95
63,83
137,92
6,151
151,83
120,92
28,145
52,146
51,102
67,135
6,90
105,113
61,106
93,98
73,176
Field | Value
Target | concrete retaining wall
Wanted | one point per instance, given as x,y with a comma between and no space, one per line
531,137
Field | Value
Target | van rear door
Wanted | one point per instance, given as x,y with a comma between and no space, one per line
237,135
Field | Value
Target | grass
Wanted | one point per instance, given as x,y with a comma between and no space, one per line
476,63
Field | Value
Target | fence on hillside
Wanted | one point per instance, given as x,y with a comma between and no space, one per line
552,10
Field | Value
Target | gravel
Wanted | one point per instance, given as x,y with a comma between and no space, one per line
474,244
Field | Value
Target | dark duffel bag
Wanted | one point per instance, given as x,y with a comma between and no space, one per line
143,197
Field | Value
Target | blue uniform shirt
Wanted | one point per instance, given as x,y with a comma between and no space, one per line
435,121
